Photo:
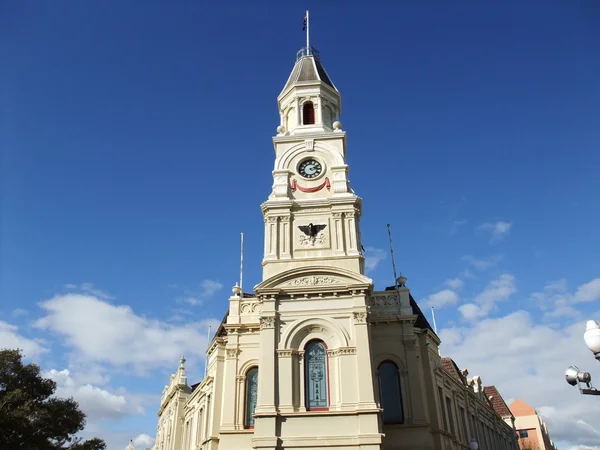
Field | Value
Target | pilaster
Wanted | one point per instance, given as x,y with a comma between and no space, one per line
417,413
230,400
285,237
350,225
339,247
286,379
366,394
271,237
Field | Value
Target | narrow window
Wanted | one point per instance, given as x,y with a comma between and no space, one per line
200,432
464,424
523,434
443,409
317,389
390,393
251,391
308,113
450,415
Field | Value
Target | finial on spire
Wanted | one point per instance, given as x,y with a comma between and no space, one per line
182,362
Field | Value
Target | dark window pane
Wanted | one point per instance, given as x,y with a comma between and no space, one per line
390,394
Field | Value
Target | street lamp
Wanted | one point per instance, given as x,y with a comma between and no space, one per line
473,445
592,337
573,375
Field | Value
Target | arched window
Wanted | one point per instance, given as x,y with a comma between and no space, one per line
316,378
328,116
308,113
390,393
251,396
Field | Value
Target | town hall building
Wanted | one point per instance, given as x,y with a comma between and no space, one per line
315,358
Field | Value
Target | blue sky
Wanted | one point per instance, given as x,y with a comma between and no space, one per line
135,146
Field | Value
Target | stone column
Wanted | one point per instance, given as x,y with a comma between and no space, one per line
229,401
302,398
348,392
271,238
286,380
266,413
366,395
240,412
266,365
415,395
285,237
350,227
338,234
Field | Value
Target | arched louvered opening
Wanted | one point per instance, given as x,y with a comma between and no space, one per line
308,113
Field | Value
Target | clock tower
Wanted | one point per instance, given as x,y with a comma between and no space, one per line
312,215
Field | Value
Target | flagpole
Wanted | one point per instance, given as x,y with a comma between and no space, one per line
307,34
242,265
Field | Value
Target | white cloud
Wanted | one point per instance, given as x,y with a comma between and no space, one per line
209,287
99,331
589,292
527,360
482,264
192,301
89,288
196,297
497,290
373,256
484,303
11,339
556,301
498,230
470,312
96,403
454,283
442,298
143,441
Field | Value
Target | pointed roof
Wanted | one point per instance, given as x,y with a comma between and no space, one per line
307,70
452,368
498,402
520,408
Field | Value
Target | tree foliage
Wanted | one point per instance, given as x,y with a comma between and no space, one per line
31,418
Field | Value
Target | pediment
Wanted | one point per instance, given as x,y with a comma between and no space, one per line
317,278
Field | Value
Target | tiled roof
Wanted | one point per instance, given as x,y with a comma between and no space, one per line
452,368
498,402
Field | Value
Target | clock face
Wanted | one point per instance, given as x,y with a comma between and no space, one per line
310,168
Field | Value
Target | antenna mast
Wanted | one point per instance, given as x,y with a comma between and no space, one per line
392,253
242,265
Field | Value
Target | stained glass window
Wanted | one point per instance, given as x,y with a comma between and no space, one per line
251,395
390,393
317,393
